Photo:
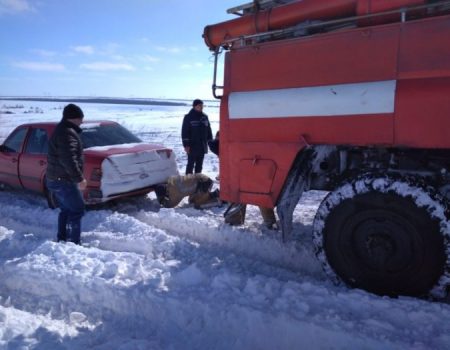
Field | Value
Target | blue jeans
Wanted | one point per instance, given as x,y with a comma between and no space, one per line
71,204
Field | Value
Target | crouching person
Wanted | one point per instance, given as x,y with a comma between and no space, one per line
196,186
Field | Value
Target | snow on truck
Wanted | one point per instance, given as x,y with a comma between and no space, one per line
351,97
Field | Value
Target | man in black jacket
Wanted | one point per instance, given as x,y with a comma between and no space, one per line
65,178
195,133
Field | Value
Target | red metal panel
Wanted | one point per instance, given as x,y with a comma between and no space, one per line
423,91
9,173
425,49
366,7
357,130
280,140
280,154
423,113
9,161
259,174
32,168
336,58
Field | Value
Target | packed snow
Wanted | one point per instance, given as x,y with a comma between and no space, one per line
152,278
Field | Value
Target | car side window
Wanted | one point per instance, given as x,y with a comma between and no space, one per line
14,142
37,142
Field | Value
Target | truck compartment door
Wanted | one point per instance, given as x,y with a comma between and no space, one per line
256,175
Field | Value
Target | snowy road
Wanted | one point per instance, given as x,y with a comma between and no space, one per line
150,278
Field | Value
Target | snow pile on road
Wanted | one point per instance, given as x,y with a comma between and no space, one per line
151,278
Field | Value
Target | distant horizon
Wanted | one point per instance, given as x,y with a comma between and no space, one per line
59,97
105,100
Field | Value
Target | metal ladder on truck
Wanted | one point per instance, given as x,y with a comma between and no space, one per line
255,6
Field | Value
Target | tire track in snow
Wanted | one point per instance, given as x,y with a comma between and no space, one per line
104,275
188,285
297,256
106,232
194,303
122,233
201,227
101,231
62,262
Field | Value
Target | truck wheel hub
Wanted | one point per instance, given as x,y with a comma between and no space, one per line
377,236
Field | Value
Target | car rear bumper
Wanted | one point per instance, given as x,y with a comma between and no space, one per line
95,196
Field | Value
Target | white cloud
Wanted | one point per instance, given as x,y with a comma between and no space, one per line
150,59
192,65
117,57
109,49
40,66
173,49
87,49
15,6
107,66
44,53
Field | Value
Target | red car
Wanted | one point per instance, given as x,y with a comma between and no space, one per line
117,163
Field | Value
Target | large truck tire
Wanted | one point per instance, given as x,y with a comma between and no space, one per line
389,236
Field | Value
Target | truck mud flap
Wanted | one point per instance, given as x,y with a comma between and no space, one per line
296,183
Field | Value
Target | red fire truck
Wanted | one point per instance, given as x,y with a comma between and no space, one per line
351,97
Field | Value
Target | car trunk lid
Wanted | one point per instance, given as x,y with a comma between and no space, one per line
130,167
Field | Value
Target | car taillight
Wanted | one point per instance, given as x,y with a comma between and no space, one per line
165,153
96,174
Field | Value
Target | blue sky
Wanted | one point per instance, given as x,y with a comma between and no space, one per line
116,48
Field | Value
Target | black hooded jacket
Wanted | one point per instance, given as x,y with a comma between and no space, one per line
196,132
65,153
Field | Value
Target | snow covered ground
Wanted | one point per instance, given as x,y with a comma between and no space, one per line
151,278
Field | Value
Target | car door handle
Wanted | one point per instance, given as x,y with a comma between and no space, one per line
42,162
14,160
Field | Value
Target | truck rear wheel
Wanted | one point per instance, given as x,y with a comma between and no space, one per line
387,236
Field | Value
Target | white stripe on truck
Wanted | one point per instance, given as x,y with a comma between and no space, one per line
331,100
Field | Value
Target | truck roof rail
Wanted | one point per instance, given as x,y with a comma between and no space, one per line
256,4
302,29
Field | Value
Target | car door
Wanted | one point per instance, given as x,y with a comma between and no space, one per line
33,162
9,157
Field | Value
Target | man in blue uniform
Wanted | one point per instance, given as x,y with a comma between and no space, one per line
195,133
